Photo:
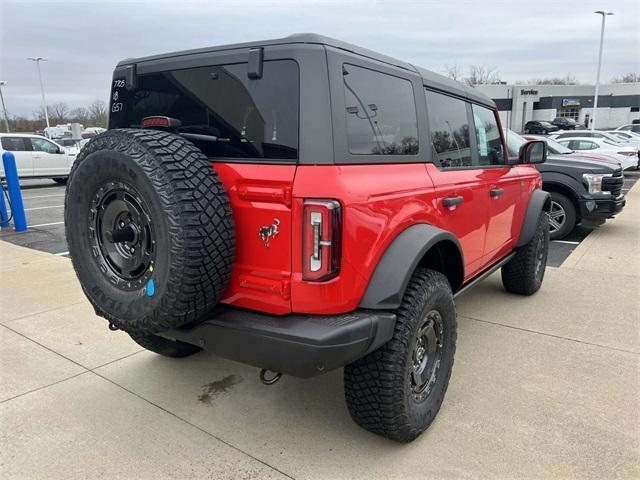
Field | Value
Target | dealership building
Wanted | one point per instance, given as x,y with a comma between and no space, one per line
618,104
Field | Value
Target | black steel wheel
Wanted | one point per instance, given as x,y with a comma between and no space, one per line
397,390
523,274
149,229
121,231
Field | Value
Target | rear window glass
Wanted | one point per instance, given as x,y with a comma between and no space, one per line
243,117
13,144
381,113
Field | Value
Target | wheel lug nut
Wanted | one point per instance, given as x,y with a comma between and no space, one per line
121,224
132,250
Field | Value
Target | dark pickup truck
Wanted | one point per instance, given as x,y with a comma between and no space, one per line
583,191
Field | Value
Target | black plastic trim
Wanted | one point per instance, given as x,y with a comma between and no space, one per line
298,345
539,200
391,276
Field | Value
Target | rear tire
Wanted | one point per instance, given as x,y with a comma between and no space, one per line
523,274
165,347
562,217
149,230
397,390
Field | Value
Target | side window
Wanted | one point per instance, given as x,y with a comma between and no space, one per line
586,145
381,113
13,144
449,127
490,148
42,145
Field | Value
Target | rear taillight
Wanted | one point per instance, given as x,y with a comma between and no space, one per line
321,241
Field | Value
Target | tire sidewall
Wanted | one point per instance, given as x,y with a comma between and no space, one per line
421,412
570,216
96,169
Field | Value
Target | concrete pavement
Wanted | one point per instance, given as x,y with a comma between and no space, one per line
543,387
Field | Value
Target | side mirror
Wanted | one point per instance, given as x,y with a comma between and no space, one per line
534,151
60,150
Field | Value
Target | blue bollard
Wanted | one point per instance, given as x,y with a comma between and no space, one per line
4,216
15,196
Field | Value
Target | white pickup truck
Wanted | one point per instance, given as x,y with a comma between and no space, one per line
36,156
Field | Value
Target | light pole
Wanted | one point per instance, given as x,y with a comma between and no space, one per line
4,109
44,101
595,97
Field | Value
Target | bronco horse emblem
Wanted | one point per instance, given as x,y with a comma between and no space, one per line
269,231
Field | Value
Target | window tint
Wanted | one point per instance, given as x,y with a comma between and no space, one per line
243,117
449,127
381,113
42,145
488,139
14,144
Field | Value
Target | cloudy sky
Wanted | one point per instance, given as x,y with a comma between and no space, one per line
83,40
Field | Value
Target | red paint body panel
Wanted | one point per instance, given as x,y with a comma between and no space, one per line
259,194
378,202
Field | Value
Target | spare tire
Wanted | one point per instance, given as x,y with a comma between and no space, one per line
149,230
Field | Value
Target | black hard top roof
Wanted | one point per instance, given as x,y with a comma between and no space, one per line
430,78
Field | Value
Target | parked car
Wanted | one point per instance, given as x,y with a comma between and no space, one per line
631,127
628,138
565,123
298,205
556,148
37,156
539,127
72,147
627,156
588,134
583,191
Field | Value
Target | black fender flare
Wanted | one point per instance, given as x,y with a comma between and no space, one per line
399,261
539,201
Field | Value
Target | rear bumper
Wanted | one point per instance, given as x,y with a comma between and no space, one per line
298,345
595,212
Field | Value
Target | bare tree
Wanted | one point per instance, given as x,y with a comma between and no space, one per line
627,78
58,112
98,113
454,72
568,79
482,75
80,115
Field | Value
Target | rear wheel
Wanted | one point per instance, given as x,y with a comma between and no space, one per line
397,390
562,216
149,230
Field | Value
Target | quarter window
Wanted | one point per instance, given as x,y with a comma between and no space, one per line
13,144
488,139
449,127
381,113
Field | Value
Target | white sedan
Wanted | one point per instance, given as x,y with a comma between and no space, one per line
36,156
627,156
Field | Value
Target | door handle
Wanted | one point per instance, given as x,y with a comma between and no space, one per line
452,201
496,192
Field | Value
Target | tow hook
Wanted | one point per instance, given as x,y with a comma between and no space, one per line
269,381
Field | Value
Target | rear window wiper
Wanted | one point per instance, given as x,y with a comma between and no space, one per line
204,138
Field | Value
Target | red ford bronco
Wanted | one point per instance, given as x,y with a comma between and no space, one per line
301,205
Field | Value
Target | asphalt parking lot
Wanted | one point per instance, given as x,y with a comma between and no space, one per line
44,205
